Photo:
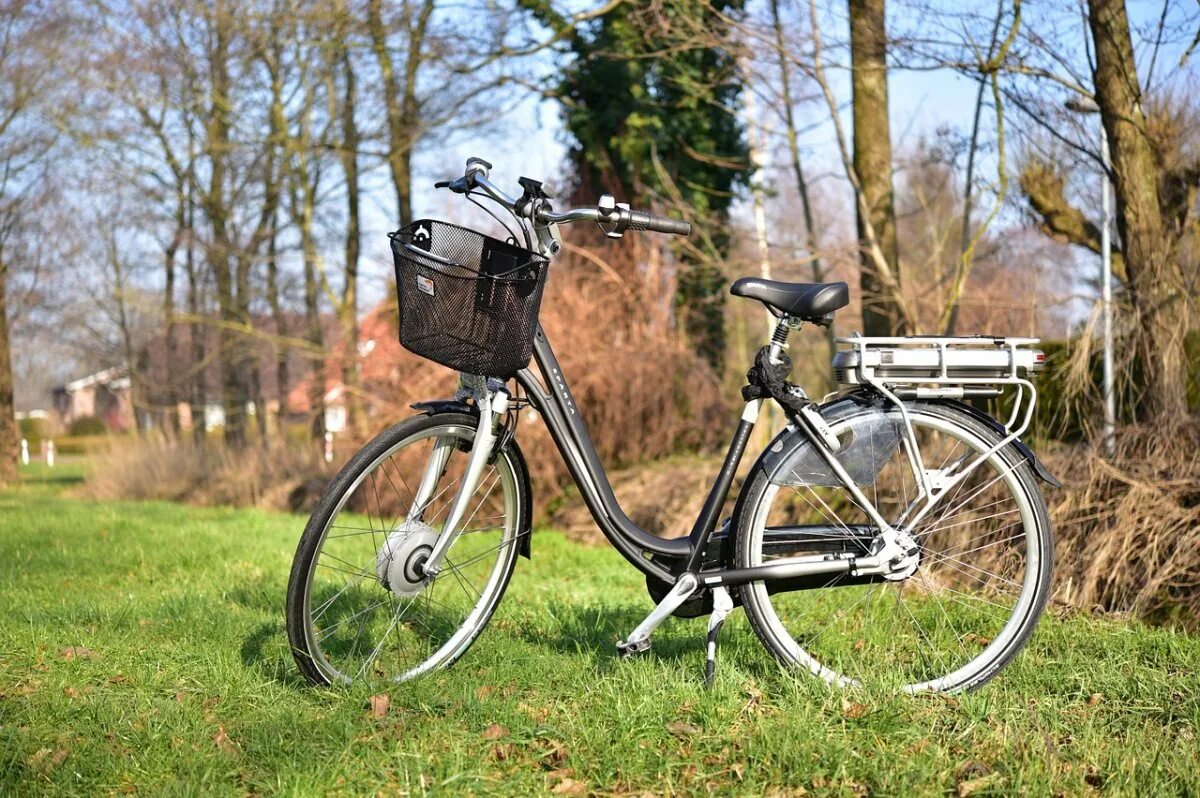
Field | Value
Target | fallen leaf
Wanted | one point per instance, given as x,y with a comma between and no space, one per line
1094,699
555,756
786,792
76,652
180,698
501,752
494,731
483,691
681,728
223,742
380,704
972,786
569,786
118,678
853,709
71,692
46,759
859,644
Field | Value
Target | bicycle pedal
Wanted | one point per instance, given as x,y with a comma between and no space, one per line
627,650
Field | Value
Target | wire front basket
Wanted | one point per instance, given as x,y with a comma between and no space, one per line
466,300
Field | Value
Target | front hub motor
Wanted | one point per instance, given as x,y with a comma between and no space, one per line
401,559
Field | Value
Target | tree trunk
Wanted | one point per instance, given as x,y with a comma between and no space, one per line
348,308
312,314
811,240
171,386
220,255
197,329
273,189
400,101
10,434
1156,286
281,352
873,161
133,363
304,199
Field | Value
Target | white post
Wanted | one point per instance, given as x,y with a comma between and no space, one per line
24,452
1110,399
328,447
50,454
756,191
757,159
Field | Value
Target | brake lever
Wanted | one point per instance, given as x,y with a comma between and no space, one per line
459,186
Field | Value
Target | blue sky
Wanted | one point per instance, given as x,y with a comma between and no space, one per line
921,103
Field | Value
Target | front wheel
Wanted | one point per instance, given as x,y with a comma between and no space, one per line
981,577
358,605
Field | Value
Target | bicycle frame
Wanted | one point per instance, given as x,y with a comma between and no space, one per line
678,562
661,558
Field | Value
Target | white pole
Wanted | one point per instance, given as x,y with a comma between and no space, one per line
50,454
757,159
24,452
1110,399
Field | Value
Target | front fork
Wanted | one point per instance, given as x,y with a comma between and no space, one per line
493,406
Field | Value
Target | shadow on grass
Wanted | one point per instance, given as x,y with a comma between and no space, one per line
52,477
272,661
593,631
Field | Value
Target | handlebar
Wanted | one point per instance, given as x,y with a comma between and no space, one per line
613,218
641,220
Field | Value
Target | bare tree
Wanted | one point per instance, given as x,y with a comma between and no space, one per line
31,33
1156,281
873,165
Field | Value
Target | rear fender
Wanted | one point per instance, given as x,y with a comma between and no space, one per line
525,522
783,441
1039,467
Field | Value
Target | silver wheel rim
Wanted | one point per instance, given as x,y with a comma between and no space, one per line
401,612
990,649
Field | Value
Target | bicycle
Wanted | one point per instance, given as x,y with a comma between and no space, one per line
891,534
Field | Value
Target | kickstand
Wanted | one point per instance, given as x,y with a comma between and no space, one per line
722,604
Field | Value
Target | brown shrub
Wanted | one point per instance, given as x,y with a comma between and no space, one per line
1127,529
278,477
662,498
642,391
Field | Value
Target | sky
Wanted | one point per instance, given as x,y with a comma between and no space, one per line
921,103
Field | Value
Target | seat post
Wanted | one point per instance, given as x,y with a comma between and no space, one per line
779,338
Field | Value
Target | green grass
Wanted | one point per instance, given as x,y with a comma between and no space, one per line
142,648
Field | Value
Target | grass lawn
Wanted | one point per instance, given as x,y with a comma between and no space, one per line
142,650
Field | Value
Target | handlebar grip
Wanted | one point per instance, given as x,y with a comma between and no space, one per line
641,220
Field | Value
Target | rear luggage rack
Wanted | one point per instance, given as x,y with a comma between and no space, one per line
931,367
936,367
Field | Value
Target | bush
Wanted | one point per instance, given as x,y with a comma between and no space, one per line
1127,528
34,430
279,477
87,425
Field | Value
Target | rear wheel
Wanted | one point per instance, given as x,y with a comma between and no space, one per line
983,574
358,604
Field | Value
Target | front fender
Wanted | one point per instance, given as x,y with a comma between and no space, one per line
525,522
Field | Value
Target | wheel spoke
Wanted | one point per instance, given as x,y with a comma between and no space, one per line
355,619
971,573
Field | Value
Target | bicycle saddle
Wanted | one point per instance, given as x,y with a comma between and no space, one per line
802,300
